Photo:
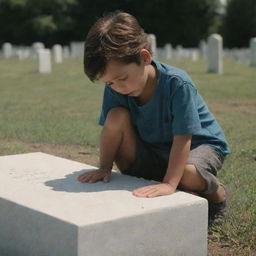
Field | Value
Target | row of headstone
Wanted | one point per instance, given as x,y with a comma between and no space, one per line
212,51
178,53
75,50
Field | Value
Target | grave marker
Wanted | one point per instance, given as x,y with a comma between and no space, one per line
153,45
7,50
253,51
215,62
44,61
44,210
57,53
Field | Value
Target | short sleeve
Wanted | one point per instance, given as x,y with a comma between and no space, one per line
184,111
110,100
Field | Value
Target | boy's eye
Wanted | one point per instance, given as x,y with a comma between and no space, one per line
124,78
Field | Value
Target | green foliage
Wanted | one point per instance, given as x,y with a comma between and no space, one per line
28,21
240,23
183,22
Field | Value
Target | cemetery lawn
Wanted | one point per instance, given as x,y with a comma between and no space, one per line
58,114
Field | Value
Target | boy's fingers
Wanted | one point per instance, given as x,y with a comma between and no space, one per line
106,178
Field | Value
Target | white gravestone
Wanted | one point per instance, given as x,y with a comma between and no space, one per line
44,61
44,210
7,50
57,53
215,59
168,51
194,55
253,51
66,52
153,45
203,49
77,49
37,46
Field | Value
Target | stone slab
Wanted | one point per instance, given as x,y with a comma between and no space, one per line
44,210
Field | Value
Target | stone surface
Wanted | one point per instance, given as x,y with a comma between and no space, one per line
168,51
66,52
57,53
153,45
7,50
44,61
215,48
253,51
77,49
44,210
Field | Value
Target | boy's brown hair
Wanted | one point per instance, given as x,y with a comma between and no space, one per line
116,36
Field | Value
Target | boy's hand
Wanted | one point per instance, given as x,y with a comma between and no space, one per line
154,190
94,176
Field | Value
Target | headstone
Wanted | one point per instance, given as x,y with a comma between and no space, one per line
44,61
253,51
194,55
7,50
57,53
168,51
77,49
153,45
203,49
37,46
215,62
179,52
66,52
44,210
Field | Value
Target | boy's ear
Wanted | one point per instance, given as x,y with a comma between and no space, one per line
145,56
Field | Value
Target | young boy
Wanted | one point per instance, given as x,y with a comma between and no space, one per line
155,123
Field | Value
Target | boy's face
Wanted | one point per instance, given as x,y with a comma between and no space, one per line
128,79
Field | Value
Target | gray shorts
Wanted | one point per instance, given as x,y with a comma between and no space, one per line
152,164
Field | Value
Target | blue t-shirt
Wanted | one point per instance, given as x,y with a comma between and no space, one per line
176,108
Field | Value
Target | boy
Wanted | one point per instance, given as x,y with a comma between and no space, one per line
155,124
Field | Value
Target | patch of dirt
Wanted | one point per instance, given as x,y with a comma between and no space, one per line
241,106
219,249
87,155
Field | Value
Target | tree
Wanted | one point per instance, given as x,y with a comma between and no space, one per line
239,23
27,21
183,22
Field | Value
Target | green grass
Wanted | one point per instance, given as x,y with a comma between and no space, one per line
59,108
63,108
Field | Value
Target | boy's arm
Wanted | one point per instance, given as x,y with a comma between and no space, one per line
177,161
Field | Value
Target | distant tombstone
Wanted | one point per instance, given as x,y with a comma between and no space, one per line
57,53
44,61
215,61
77,49
179,51
37,46
194,55
203,48
168,51
253,51
7,50
66,52
21,54
153,45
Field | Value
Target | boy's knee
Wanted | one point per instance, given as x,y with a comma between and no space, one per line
117,117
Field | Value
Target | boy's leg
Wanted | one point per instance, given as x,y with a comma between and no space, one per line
118,140
200,173
193,181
